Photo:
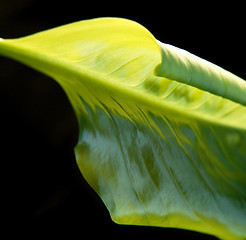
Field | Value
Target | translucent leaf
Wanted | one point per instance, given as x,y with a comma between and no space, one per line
162,132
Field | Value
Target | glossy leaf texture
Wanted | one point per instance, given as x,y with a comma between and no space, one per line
162,132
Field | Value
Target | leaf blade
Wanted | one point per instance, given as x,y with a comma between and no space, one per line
144,132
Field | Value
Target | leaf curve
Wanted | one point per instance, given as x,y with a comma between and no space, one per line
162,132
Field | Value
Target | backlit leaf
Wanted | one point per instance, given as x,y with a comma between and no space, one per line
162,132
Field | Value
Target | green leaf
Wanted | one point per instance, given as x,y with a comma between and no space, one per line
162,132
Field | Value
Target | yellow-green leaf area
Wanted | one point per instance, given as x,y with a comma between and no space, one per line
162,136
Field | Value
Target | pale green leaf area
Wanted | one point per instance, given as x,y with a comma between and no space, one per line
162,132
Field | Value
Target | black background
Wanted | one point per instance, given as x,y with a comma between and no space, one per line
42,190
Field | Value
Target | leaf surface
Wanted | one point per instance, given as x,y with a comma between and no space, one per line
162,132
